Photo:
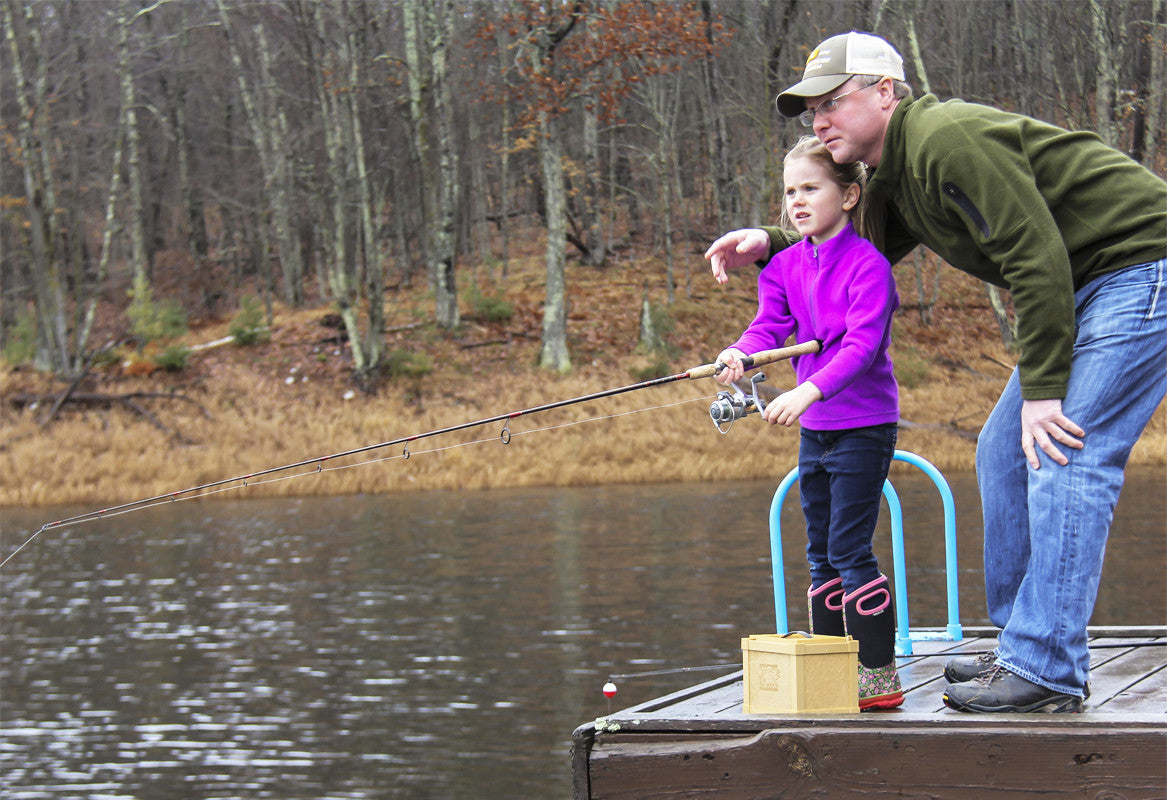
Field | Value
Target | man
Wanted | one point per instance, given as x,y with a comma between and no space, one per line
1077,232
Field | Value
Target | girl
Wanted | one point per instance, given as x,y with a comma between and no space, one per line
834,286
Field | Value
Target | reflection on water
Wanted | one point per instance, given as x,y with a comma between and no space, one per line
414,646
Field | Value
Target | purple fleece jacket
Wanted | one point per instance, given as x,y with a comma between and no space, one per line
841,292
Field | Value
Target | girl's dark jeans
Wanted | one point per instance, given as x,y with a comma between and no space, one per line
840,480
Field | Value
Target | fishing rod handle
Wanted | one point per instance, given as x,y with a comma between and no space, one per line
758,359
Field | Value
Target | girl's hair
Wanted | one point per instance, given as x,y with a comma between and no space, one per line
842,174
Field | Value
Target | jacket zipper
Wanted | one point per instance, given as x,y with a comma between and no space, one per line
966,205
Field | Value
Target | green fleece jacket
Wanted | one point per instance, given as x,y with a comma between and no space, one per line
1019,203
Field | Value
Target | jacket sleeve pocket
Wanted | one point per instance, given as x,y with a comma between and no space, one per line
966,205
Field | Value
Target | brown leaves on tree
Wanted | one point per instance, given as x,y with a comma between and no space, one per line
595,53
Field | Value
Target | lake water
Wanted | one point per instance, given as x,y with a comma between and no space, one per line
436,645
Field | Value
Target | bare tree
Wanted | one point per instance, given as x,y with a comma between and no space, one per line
333,138
1104,37
727,198
426,44
60,346
438,17
354,271
540,43
270,134
660,96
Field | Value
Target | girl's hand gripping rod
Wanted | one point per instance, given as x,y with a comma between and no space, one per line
732,406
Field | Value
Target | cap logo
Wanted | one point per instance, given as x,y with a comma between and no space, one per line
818,59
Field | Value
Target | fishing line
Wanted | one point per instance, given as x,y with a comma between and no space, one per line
672,671
247,483
250,479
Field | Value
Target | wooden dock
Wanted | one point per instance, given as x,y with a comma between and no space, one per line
697,743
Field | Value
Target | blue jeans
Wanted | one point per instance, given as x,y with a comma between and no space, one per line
1046,529
840,480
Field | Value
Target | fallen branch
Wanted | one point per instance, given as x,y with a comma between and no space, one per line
194,348
65,395
128,400
1006,366
510,337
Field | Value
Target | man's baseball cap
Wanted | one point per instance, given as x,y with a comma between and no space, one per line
834,61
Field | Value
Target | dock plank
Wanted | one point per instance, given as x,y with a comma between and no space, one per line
1117,669
1148,693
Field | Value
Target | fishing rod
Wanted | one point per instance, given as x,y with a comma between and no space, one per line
736,410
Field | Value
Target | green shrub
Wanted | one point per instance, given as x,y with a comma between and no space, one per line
247,325
402,363
173,358
20,339
493,308
151,321
106,357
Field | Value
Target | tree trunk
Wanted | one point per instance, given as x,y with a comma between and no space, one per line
1156,138
331,74
1106,89
445,244
1008,328
478,195
373,345
504,171
437,241
1149,91
596,253
133,163
109,224
926,300
553,352
40,195
666,198
917,59
192,197
269,133
729,204
419,119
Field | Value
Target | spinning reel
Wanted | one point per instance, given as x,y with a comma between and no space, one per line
732,406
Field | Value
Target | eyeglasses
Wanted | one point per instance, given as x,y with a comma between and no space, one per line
829,105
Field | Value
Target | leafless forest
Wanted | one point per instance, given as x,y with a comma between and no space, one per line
186,152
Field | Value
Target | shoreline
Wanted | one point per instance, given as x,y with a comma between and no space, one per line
236,410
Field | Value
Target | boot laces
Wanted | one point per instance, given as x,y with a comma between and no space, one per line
995,673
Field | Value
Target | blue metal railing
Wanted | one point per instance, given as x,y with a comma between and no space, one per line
904,635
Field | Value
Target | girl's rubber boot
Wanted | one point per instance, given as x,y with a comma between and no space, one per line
825,607
870,618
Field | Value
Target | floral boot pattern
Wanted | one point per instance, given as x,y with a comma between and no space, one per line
879,688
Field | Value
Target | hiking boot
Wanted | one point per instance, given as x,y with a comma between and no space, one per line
879,688
999,690
967,668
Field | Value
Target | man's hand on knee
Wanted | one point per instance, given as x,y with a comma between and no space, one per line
1043,424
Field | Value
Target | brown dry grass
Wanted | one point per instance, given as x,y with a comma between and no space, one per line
284,401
